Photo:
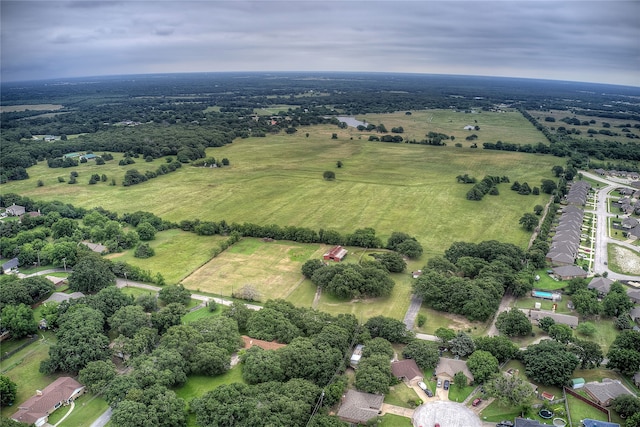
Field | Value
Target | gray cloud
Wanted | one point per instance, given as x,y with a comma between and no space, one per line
570,40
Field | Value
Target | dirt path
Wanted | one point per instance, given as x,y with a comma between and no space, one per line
316,298
506,302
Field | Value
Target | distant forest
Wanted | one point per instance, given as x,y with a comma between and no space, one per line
161,115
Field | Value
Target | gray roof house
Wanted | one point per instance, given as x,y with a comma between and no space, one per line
601,285
634,294
16,210
36,409
61,296
9,265
449,367
358,407
607,390
407,370
564,319
635,313
568,272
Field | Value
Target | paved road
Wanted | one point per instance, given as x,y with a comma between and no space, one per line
412,311
102,419
602,238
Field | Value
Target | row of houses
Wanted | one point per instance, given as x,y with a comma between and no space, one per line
627,205
566,240
617,173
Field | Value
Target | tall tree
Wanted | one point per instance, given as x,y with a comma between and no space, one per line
91,274
19,320
483,365
513,323
8,390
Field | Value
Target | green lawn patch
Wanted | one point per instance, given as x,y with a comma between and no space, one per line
178,253
439,319
497,412
459,395
303,294
197,385
545,304
23,369
88,408
401,395
136,292
580,410
391,420
548,283
202,313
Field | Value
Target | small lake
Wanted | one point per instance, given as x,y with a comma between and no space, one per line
352,121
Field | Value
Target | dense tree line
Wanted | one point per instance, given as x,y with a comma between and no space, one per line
369,279
470,278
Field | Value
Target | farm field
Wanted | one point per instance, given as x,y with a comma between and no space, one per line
178,253
278,180
509,126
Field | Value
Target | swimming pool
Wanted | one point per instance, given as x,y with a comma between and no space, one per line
542,294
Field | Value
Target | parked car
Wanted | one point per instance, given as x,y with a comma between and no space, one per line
476,402
439,383
505,423
429,393
423,386
446,384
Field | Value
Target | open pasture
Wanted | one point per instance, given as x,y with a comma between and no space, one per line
509,126
597,126
178,253
273,268
32,107
278,180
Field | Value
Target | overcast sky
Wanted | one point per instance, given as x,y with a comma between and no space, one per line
593,41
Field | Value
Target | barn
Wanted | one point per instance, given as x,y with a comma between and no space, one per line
337,253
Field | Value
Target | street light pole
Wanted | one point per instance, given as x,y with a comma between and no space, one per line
64,262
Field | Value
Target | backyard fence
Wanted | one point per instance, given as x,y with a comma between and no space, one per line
588,402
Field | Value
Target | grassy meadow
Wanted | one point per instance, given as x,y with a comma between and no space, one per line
278,179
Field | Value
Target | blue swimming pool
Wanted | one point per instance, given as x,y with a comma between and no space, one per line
542,294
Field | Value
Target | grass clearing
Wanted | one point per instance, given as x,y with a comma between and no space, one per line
391,420
198,385
460,394
273,268
439,319
497,412
278,180
23,369
401,395
580,410
88,408
178,253
201,313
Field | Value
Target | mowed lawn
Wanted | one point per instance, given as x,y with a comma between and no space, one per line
177,254
273,268
278,180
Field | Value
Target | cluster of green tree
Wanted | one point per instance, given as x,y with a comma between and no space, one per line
564,145
628,407
488,185
367,279
524,189
470,278
374,368
536,254
210,161
133,176
27,291
624,353
615,304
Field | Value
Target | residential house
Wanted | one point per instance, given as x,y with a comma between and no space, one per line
635,314
636,379
629,223
57,281
358,407
407,370
337,253
525,422
601,285
604,392
588,422
36,409
568,272
634,295
15,210
10,265
564,319
448,368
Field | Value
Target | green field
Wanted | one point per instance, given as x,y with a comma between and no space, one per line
401,395
509,126
178,253
278,180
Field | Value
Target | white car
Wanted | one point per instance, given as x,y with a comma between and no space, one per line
422,385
